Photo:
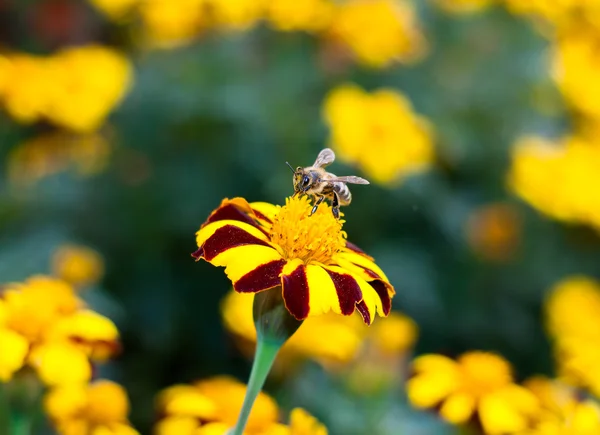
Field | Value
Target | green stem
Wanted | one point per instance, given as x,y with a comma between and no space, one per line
20,424
266,351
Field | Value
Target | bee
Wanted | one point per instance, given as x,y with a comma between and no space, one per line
320,184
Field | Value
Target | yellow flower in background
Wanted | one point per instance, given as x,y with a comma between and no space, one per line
88,82
78,265
573,319
493,231
569,14
98,408
236,14
571,168
115,9
576,69
477,382
217,399
56,152
293,15
379,132
464,6
211,407
563,411
74,88
27,87
379,32
45,325
171,23
263,246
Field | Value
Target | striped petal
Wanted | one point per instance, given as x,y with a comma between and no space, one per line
323,294
295,289
218,237
236,209
265,211
365,263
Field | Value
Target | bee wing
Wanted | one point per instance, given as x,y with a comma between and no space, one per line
325,157
350,179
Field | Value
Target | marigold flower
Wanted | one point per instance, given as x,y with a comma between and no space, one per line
379,132
170,23
293,15
571,167
476,382
464,6
14,351
379,31
563,411
236,14
217,399
88,82
78,265
55,152
98,408
263,246
569,14
301,423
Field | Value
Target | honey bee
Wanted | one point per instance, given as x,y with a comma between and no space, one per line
320,184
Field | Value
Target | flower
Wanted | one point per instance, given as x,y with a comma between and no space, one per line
292,15
476,382
572,312
170,23
78,265
569,14
570,167
98,408
236,14
56,152
576,61
563,411
463,6
264,246
74,88
218,399
493,231
378,32
378,131
211,406
45,325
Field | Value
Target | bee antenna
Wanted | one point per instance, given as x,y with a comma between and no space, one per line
293,170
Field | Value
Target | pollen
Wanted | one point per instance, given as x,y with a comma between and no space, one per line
313,239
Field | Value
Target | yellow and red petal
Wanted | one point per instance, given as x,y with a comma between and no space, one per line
236,209
218,237
352,247
295,289
264,211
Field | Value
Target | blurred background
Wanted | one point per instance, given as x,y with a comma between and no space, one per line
124,123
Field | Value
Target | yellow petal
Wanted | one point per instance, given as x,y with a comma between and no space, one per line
60,363
586,418
191,403
107,402
65,402
265,208
427,390
499,416
458,408
244,259
213,429
13,350
363,261
177,426
323,295
434,363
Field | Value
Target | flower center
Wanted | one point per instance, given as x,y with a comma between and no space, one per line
484,372
313,238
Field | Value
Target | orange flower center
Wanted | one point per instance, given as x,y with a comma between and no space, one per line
313,239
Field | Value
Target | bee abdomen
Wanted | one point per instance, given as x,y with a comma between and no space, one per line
343,192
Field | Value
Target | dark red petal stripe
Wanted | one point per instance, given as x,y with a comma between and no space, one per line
227,237
347,289
262,216
230,212
263,277
295,293
364,312
382,291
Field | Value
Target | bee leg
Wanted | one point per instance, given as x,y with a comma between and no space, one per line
335,206
319,201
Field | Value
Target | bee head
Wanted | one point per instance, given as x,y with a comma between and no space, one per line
301,179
